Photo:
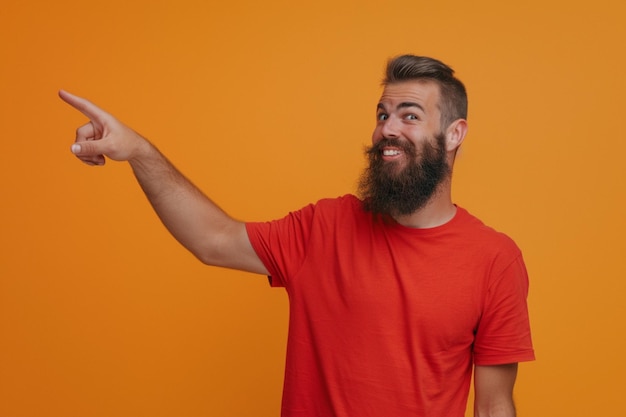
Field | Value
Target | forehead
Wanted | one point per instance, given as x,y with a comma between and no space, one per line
423,92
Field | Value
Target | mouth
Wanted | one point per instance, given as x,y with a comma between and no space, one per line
391,150
390,153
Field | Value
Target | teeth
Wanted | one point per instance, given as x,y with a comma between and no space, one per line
390,152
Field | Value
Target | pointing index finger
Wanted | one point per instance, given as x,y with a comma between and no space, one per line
85,106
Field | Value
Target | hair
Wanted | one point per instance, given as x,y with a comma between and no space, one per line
453,96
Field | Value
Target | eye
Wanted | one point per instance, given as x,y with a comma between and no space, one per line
411,117
382,116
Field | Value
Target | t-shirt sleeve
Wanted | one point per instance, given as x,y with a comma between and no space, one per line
282,244
503,334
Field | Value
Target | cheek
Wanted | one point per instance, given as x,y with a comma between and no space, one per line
376,135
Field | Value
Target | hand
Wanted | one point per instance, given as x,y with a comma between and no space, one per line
103,136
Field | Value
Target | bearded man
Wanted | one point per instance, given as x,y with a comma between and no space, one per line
396,297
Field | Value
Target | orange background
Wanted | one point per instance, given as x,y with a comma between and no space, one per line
267,106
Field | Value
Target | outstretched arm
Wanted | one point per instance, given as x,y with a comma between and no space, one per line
193,219
493,387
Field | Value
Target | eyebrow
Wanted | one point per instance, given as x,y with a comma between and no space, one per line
403,105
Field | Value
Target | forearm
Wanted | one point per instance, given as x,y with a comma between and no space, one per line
194,220
189,215
505,409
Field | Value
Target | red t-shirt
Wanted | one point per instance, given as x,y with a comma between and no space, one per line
387,320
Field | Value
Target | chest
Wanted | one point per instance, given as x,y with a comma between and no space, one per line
415,292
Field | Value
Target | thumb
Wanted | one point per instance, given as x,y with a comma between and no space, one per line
89,152
87,148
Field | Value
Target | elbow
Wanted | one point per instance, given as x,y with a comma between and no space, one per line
214,253
206,255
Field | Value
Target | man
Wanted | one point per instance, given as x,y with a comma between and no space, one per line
395,297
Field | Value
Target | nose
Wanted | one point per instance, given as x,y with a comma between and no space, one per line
390,127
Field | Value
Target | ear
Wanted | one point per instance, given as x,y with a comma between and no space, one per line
455,133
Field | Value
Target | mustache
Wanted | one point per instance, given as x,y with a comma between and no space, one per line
377,148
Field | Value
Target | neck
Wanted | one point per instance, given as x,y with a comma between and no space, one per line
436,212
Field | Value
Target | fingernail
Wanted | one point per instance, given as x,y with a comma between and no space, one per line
75,148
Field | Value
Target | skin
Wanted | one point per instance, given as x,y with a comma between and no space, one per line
493,387
191,217
407,111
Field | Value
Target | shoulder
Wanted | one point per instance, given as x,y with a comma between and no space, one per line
326,210
349,201
480,232
495,247
345,205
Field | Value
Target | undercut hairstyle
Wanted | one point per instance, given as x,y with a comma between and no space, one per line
453,96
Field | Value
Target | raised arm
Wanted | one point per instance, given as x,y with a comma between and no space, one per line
191,217
493,388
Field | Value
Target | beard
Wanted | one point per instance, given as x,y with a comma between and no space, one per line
388,189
